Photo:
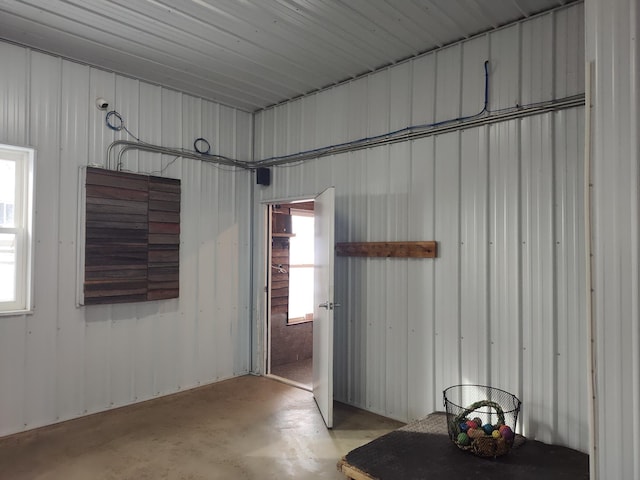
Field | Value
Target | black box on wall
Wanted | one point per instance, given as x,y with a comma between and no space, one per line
263,176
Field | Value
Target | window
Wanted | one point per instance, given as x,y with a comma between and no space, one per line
16,221
301,267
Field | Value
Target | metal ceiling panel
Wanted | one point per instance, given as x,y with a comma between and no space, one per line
250,54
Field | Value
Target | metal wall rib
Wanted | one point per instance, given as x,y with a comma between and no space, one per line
613,49
504,302
63,361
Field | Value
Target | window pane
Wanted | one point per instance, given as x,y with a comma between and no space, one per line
7,192
7,267
301,246
300,291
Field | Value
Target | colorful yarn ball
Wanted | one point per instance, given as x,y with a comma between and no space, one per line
488,428
478,421
463,439
464,427
502,427
472,424
475,433
496,434
507,433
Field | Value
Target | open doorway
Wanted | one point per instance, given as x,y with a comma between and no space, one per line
290,331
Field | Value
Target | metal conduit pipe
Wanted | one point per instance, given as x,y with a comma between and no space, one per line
562,104
411,133
147,147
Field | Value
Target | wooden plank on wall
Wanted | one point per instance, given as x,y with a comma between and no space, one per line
164,238
132,237
427,249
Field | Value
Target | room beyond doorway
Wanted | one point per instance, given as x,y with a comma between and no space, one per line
290,322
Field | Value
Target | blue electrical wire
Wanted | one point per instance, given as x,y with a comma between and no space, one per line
120,126
399,131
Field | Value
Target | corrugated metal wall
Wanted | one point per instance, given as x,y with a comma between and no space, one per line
63,361
503,304
614,48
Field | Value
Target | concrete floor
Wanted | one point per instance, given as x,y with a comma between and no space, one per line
300,372
244,428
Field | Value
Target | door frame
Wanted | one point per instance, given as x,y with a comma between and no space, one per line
265,262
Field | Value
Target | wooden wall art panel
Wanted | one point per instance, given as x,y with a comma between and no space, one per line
132,237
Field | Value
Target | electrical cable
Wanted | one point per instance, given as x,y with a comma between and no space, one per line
203,141
120,126
394,133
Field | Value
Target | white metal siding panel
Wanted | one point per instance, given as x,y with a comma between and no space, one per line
422,398
474,53
70,340
44,130
422,95
504,262
613,46
570,275
64,361
447,268
504,203
504,68
396,289
14,123
375,280
474,256
569,35
538,59
539,328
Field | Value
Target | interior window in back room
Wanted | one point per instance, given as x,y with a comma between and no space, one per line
301,267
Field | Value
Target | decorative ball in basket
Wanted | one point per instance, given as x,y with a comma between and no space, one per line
481,419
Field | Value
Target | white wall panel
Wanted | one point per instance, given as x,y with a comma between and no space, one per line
474,256
614,48
44,131
447,268
64,361
503,303
421,395
74,139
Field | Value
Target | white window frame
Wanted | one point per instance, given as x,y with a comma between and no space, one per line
24,158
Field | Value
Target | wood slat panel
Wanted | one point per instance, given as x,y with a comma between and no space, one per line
99,204
280,301
110,178
132,237
118,225
388,249
280,292
164,196
117,193
157,227
164,217
116,299
163,239
163,256
163,206
109,216
160,184
163,294
279,308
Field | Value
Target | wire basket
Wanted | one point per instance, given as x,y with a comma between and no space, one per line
481,419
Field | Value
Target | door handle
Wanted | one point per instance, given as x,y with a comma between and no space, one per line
329,305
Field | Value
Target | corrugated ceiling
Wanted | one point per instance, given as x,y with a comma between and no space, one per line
251,53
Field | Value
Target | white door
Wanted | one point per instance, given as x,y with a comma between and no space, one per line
324,213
